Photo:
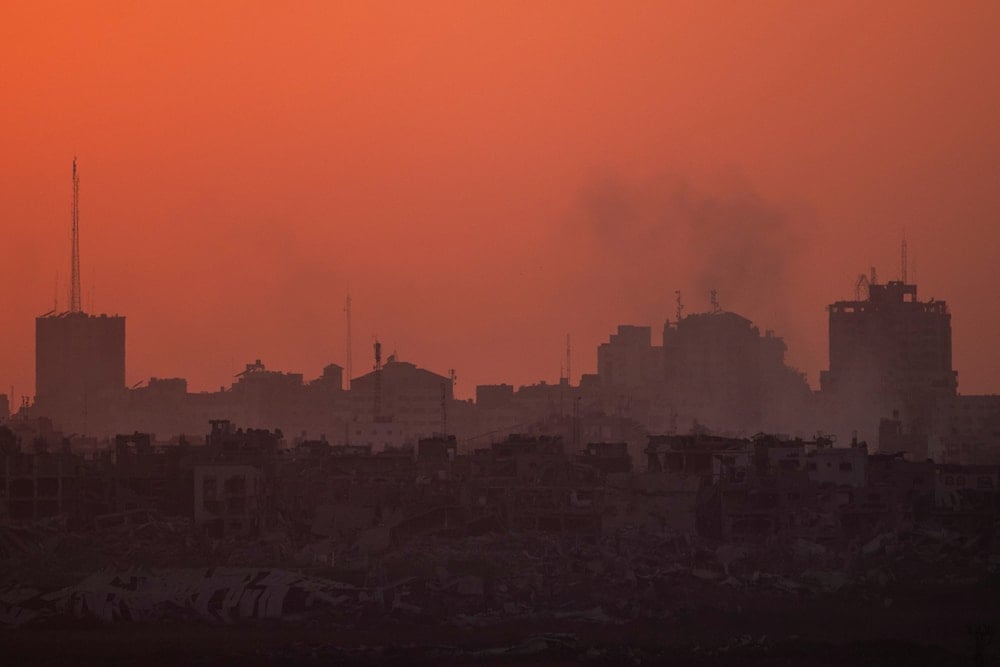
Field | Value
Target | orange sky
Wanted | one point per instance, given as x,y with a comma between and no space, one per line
491,176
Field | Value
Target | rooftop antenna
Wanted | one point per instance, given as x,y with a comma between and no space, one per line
902,263
74,290
680,306
350,365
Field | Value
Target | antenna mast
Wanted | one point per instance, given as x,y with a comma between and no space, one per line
350,369
74,290
902,264
569,359
378,381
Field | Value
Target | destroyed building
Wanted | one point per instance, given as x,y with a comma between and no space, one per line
720,371
965,429
527,530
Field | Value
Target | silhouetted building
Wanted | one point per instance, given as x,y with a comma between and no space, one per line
79,370
889,352
494,396
719,370
966,430
228,498
608,457
414,400
628,364
266,398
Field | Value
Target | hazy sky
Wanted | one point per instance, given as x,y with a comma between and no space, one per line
489,177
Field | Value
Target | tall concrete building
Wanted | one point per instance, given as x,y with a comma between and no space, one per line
628,362
889,353
79,370
79,358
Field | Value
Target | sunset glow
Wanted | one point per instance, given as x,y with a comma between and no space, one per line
487,177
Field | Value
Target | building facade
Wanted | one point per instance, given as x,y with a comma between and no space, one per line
890,352
79,370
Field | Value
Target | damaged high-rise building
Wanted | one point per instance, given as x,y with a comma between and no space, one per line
721,372
889,353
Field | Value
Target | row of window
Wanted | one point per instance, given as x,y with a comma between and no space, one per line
982,482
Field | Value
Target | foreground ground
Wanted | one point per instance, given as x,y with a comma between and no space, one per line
912,625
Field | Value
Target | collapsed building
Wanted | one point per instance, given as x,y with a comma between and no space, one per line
715,369
245,482
245,526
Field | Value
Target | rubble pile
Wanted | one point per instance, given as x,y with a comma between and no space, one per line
215,595
49,548
519,550
627,575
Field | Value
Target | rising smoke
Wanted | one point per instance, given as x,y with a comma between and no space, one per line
666,234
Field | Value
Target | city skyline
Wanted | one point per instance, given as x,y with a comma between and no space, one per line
489,332
73,303
506,187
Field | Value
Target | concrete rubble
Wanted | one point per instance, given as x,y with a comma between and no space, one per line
473,581
520,541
